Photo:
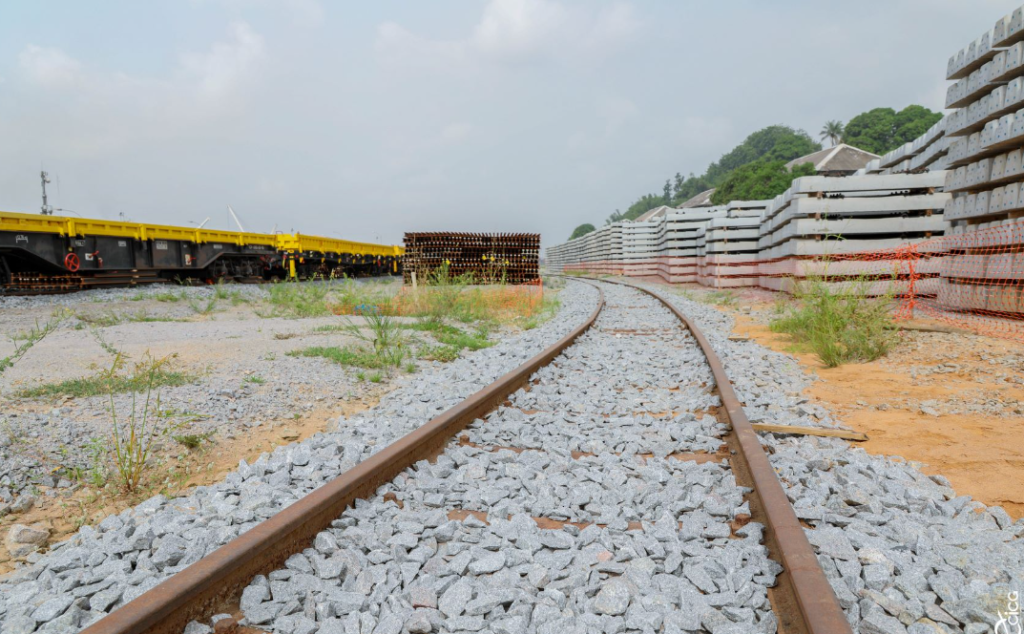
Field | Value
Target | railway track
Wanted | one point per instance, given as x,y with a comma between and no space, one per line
611,483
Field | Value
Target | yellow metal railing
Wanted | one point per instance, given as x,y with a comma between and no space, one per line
301,243
80,227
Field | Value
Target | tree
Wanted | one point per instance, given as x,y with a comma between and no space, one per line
759,180
641,206
774,143
677,186
882,130
581,231
833,131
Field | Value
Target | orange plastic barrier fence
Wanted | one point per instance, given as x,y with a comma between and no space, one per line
972,280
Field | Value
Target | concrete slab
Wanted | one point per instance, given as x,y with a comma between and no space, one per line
845,227
803,247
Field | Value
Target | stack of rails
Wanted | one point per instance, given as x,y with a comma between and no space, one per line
47,254
511,257
730,249
848,227
987,175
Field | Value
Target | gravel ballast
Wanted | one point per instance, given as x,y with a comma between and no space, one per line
499,536
903,552
104,566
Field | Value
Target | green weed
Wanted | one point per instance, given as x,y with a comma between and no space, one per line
133,439
201,308
444,354
725,298
167,296
30,338
839,324
355,356
146,374
193,441
295,300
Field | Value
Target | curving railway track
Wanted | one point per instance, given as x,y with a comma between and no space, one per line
611,483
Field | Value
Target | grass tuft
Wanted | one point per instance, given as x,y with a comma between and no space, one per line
725,298
838,324
146,374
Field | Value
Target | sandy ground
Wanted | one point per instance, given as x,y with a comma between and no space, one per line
954,402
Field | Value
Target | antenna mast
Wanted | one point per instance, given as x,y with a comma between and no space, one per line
47,210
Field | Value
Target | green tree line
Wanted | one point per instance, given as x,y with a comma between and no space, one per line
755,169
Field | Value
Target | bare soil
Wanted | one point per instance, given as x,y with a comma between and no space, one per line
911,404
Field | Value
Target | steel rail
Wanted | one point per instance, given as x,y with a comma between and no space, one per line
818,609
219,578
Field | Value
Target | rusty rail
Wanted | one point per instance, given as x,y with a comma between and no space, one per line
817,609
220,576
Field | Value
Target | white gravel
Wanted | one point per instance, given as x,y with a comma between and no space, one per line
657,553
103,567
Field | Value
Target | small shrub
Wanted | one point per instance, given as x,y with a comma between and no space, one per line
133,439
255,379
386,339
376,377
839,324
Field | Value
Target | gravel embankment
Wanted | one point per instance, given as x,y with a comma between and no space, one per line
105,566
657,552
902,551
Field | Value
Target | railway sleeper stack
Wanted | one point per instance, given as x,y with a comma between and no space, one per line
488,257
928,152
640,243
728,256
600,252
677,257
851,232
985,270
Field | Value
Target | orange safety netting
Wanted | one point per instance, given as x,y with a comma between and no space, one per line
972,280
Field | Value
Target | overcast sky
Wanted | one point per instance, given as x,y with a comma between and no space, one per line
368,119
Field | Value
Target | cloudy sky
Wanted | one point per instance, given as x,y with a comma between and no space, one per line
367,119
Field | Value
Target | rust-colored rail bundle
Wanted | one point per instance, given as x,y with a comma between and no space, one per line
488,257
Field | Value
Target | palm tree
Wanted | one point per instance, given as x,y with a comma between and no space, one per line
833,131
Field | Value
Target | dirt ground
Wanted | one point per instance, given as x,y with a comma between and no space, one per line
954,402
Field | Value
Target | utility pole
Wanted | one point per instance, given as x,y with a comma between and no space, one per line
47,210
